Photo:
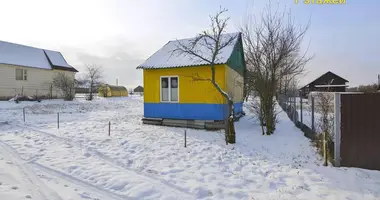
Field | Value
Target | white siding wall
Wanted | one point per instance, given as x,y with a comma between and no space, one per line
235,83
37,82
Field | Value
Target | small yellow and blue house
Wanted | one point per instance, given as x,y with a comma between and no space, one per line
172,96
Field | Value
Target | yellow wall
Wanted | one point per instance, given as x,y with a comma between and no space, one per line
118,93
103,89
190,91
235,83
112,92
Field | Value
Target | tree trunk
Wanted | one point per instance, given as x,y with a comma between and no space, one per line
262,119
229,122
230,127
269,114
325,148
91,88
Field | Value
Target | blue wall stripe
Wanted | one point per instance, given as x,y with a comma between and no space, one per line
238,107
188,111
184,111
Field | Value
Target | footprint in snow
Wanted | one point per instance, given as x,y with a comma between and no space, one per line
130,162
28,196
14,187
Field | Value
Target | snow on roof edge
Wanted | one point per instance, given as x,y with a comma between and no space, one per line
163,67
162,58
28,56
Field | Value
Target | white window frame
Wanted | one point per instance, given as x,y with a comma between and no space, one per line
169,89
24,74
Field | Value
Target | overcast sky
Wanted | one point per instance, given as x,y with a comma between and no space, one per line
121,34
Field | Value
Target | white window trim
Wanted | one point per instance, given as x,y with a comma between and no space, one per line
23,74
169,88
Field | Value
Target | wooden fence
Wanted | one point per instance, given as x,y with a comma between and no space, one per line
357,130
356,134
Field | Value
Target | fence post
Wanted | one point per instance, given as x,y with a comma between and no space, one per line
51,91
23,113
337,136
312,114
109,128
22,90
58,120
325,148
185,137
295,109
301,113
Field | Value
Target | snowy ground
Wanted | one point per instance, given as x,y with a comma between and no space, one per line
80,161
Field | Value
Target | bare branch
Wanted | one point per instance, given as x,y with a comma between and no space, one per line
207,47
65,84
274,58
93,77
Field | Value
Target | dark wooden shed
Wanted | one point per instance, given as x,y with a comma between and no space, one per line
328,82
138,89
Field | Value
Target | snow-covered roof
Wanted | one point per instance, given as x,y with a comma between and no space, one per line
21,55
56,58
330,85
321,76
166,57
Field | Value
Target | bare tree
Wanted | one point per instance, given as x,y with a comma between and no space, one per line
207,47
65,84
248,85
273,52
93,77
80,82
325,108
285,83
326,123
254,106
292,85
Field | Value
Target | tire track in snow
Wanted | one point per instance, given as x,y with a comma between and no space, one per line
98,191
184,194
43,191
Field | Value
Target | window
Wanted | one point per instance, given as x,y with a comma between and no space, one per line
169,89
25,74
21,74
